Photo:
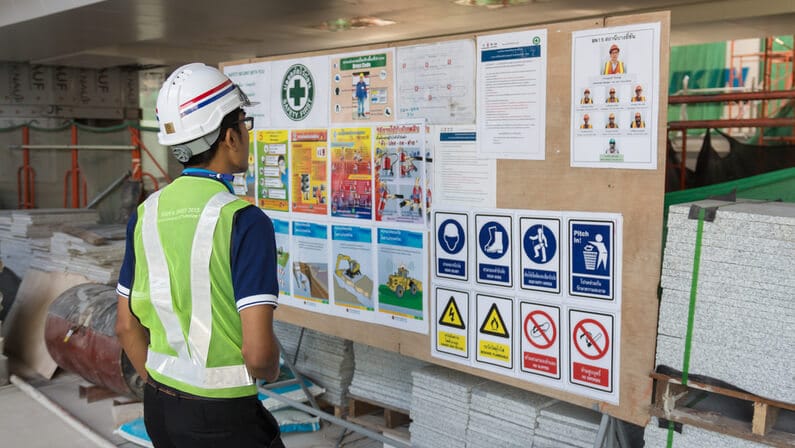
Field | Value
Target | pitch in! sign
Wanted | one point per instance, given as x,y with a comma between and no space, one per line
495,332
452,323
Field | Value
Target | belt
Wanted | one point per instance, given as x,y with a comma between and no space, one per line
170,391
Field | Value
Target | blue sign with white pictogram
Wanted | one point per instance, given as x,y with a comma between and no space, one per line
451,245
591,259
540,259
494,252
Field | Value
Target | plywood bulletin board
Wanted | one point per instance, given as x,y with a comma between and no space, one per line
552,184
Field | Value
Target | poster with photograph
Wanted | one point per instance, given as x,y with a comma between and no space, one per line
363,87
615,94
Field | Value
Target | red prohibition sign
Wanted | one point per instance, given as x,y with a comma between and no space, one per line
591,341
531,318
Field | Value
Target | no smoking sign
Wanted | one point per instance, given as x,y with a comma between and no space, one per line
540,339
591,350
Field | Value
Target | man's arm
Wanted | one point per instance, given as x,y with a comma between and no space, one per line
260,351
132,335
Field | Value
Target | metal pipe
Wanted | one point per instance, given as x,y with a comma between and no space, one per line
735,123
108,190
725,97
75,146
330,418
56,409
75,178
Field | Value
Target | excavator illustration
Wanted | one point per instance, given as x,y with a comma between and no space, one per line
400,282
352,270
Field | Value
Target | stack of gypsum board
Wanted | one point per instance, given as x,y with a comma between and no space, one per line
504,416
93,251
23,233
744,310
326,360
440,406
382,376
564,425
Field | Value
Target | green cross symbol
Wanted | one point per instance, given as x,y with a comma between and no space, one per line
296,92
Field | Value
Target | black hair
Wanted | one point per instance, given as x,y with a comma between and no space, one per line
228,122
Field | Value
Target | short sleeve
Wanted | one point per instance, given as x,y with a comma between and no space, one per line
128,265
254,271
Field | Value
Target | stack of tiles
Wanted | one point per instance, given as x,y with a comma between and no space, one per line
98,259
564,425
440,403
382,376
744,310
503,416
326,360
23,233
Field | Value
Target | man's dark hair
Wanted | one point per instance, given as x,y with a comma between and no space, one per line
228,122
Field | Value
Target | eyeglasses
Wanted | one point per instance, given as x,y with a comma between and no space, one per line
249,121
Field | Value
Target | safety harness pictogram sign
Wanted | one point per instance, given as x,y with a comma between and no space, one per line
451,323
591,350
451,316
495,332
540,339
540,254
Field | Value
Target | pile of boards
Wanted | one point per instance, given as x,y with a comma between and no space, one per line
383,376
744,307
327,360
93,251
451,408
25,233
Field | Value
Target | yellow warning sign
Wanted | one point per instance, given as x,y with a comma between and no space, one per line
451,317
453,341
495,351
494,324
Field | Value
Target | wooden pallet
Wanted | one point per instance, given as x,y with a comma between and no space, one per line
361,411
669,403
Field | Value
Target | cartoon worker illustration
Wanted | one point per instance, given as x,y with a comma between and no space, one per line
611,122
638,98
614,66
638,122
586,122
612,98
586,97
282,171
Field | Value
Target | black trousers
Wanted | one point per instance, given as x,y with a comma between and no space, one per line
176,420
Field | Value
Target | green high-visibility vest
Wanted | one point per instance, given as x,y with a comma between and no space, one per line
183,289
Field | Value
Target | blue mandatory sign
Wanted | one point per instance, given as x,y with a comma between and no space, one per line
493,240
540,244
451,236
591,260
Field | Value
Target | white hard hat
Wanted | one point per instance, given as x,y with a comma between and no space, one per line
190,107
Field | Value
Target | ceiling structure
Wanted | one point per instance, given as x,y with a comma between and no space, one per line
107,33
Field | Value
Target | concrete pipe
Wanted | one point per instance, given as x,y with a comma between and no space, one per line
81,338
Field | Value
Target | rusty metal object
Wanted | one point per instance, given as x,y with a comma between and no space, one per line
80,336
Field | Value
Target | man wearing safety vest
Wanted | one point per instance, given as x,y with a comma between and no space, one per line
614,66
198,286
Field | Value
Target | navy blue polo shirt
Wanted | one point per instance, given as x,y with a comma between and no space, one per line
253,255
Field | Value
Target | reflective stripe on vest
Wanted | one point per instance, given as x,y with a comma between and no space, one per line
190,364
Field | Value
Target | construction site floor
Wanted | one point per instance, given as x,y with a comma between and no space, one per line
24,422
